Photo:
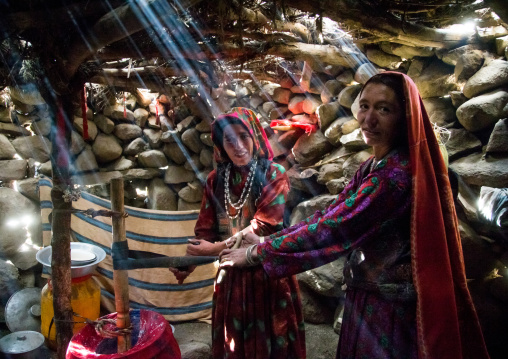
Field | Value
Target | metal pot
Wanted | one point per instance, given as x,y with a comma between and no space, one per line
25,344
44,257
23,310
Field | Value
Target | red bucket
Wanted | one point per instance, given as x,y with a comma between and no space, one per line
151,338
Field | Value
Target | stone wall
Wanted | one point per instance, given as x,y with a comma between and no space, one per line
160,144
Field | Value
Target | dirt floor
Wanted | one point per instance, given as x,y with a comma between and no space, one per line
195,341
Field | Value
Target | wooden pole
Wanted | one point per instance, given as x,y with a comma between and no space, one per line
120,277
61,224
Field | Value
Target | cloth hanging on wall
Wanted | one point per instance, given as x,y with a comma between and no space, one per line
156,231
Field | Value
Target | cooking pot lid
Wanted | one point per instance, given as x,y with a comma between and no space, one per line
21,342
23,310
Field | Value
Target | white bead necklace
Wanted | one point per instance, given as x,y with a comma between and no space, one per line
245,192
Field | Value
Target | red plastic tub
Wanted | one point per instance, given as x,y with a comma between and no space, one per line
151,338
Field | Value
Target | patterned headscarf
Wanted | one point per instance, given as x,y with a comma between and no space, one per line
247,118
447,324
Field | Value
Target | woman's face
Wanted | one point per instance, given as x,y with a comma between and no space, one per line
379,117
238,144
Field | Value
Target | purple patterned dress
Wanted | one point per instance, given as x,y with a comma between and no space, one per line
369,222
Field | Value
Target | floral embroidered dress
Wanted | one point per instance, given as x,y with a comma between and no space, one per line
380,300
254,316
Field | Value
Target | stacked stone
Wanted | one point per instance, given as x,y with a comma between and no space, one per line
170,156
19,223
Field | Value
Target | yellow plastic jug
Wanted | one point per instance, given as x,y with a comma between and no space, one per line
85,301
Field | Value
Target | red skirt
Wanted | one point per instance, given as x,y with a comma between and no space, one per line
255,317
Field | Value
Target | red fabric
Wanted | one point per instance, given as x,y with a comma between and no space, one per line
154,340
83,114
256,317
309,128
447,324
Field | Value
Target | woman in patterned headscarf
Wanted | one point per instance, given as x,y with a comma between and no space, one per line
253,316
407,295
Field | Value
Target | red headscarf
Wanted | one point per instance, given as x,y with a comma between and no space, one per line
251,123
447,324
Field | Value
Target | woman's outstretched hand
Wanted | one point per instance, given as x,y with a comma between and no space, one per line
196,247
238,257
182,274
249,239
233,258
201,247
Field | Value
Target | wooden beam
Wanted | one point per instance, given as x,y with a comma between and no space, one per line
329,54
120,277
143,72
62,15
116,25
129,83
381,23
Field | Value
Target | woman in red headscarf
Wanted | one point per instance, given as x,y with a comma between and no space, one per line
406,295
253,316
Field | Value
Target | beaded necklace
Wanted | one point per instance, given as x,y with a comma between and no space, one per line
245,192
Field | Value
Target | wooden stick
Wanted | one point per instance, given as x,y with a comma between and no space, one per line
120,277
61,225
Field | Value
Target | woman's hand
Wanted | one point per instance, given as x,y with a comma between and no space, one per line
182,274
201,247
234,240
196,247
249,239
239,257
233,258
